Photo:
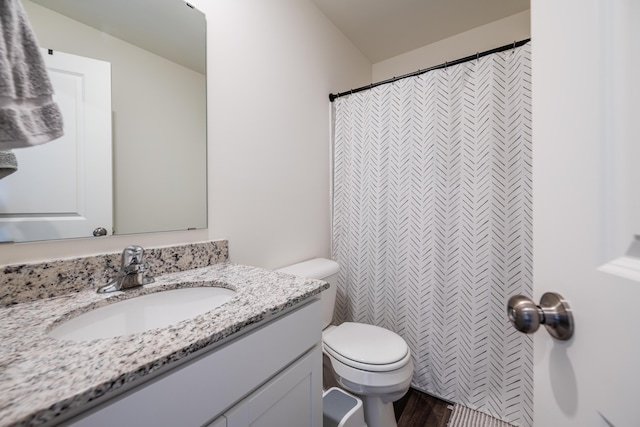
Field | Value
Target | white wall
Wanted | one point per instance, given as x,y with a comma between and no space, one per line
271,68
273,65
498,33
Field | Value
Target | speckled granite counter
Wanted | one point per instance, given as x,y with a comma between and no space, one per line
41,377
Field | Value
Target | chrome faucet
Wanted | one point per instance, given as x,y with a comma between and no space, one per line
131,274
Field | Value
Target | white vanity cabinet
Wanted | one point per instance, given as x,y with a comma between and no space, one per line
269,376
286,400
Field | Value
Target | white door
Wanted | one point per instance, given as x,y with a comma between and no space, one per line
586,213
63,189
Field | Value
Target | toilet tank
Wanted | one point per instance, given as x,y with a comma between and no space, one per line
321,269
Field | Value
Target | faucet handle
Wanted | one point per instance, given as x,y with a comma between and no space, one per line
131,272
131,255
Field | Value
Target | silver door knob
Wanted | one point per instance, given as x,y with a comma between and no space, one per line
100,231
553,312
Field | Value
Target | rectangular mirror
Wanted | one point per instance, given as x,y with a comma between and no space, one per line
156,53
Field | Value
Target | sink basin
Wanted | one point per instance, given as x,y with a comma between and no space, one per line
142,313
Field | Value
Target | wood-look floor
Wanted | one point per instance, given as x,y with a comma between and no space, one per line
417,409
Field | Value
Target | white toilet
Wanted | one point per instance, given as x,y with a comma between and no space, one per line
371,362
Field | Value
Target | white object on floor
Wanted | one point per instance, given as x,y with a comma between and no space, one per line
341,409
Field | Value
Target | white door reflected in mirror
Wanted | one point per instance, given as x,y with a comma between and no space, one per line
63,189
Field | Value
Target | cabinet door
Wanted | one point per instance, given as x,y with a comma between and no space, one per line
292,399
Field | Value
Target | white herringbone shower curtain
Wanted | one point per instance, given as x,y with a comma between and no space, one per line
432,224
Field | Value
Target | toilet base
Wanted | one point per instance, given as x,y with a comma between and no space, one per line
378,405
378,413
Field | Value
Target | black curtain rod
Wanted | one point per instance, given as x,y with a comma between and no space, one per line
513,45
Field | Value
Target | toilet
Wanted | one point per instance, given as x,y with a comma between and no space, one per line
368,361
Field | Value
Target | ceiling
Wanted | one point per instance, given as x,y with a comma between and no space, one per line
382,29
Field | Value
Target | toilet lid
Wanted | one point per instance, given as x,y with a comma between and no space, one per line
366,344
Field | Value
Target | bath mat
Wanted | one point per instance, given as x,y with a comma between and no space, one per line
465,417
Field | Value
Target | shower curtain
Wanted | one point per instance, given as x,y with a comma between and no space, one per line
432,224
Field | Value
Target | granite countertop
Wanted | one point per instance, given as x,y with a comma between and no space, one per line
42,377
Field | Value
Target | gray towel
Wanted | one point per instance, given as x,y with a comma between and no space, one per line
28,114
8,163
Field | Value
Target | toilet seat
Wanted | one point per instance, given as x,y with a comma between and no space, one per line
367,347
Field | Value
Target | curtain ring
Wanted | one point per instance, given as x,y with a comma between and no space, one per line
514,46
477,57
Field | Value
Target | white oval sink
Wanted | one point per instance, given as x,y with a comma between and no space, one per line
142,313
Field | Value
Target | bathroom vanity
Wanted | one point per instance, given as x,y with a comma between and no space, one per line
270,376
254,360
